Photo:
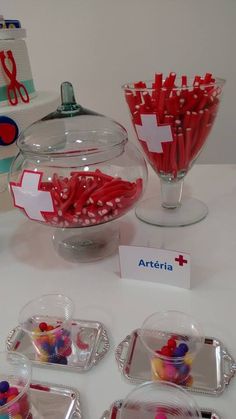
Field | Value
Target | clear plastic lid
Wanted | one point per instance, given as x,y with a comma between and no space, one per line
159,400
158,328
71,129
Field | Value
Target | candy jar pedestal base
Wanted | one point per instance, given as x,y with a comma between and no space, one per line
86,244
189,211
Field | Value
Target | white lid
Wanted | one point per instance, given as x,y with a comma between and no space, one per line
15,33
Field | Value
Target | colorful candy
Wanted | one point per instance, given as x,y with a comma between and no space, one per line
172,362
17,410
52,343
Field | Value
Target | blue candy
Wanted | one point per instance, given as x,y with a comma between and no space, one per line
60,343
4,386
50,349
184,370
55,359
3,401
63,360
178,352
183,347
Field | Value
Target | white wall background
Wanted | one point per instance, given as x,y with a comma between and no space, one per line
100,44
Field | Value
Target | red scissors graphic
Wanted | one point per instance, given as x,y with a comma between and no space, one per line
14,89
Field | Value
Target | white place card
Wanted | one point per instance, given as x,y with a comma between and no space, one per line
155,265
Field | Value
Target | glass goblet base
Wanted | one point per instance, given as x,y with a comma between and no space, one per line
189,211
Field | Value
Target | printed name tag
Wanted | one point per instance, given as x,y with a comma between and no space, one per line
155,265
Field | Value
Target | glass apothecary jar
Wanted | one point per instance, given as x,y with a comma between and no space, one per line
77,172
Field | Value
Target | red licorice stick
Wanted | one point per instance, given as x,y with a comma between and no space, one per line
202,103
71,196
181,151
56,182
104,191
207,78
173,105
127,201
116,195
158,81
147,100
188,139
173,156
161,103
114,182
157,85
191,103
78,205
193,122
81,186
169,82
196,126
139,85
184,81
186,120
130,98
197,80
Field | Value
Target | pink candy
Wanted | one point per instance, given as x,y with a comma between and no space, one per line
160,416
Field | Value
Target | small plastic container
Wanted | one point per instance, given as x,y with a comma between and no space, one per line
47,321
159,400
172,340
15,373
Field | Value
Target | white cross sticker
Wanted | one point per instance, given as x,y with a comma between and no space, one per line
28,197
153,134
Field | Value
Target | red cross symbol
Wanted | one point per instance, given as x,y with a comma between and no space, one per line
181,260
29,197
152,133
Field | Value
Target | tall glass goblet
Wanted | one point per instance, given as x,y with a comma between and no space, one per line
172,121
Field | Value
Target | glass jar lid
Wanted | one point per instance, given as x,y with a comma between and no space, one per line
71,129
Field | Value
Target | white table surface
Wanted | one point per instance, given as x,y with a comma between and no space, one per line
30,267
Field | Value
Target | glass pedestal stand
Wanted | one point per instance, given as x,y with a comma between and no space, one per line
170,209
86,244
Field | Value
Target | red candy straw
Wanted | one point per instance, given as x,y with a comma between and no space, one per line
189,110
